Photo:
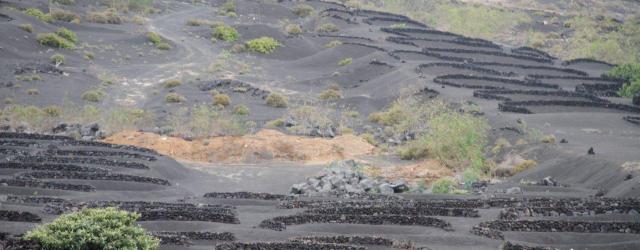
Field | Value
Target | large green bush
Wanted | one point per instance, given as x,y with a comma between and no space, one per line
226,33
264,45
106,228
630,73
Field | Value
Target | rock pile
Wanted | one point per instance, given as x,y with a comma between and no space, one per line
343,178
88,132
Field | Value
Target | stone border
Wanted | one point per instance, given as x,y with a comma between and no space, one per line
512,246
97,153
184,238
335,10
425,53
490,53
280,223
78,160
600,89
101,176
407,31
244,195
585,78
496,94
459,41
365,45
47,185
586,60
9,215
465,66
522,66
233,84
446,80
370,21
286,245
528,51
356,240
23,199
519,107
400,209
632,119
49,167
562,226
347,37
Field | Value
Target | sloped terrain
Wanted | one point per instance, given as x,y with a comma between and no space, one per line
589,203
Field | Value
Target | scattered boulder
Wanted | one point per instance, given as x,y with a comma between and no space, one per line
591,151
564,141
549,181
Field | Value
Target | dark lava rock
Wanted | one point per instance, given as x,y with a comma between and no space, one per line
564,141
591,151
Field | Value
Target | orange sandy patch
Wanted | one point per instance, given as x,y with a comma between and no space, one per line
266,145
428,171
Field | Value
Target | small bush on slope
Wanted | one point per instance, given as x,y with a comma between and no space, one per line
108,16
302,10
93,96
26,27
172,83
67,34
39,14
345,62
328,27
173,98
226,33
276,100
630,73
264,45
57,59
106,228
55,41
443,186
63,15
221,99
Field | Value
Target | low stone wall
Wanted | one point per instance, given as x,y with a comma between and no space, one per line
8,215
356,240
286,245
280,223
491,53
520,107
244,195
586,60
398,209
185,238
512,246
496,94
27,136
464,66
79,160
33,199
599,89
584,78
425,53
365,45
47,185
347,37
234,85
528,51
49,167
96,153
563,226
450,80
632,119
370,21
329,10
92,176
522,66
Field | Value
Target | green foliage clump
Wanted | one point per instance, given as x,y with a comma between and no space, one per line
172,83
303,10
207,120
345,62
65,2
228,7
264,45
163,46
333,44
154,38
106,228
226,33
65,16
93,95
369,138
173,98
444,185
330,94
39,14
52,111
55,41
522,166
275,123
328,27
221,99
293,29
241,110
631,74
33,92
67,34
26,27
277,100
108,16
57,59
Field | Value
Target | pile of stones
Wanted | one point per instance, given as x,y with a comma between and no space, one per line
343,178
88,132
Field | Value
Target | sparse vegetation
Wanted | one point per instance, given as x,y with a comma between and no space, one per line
444,185
631,74
39,14
345,62
330,94
64,2
328,28
277,100
108,16
500,144
206,120
333,44
228,8
198,22
264,45
522,166
67,34
293,30
57,59
226,33
221,99
275,123
158,41
163,46
33,92
548,139
303,10
93,95
241,110
55,41
174,98
94,228
26,27
172,83
88,55
64,16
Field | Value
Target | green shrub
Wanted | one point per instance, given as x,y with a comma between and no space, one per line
55,41
264,45
522,166
33,92
173,98
328,27
302,10
221,99
65,2
276,100
172,83
369,138
548,139
88,55
63,15
469,176
26,27
500,144
94,228
108,16
631,74
330,94
241,110
198,22
226,33
93,96
39,14
444,185
333,44
163,46
52,111
345,62
275,123
293,29
228,7
57,59
67,34
154,38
